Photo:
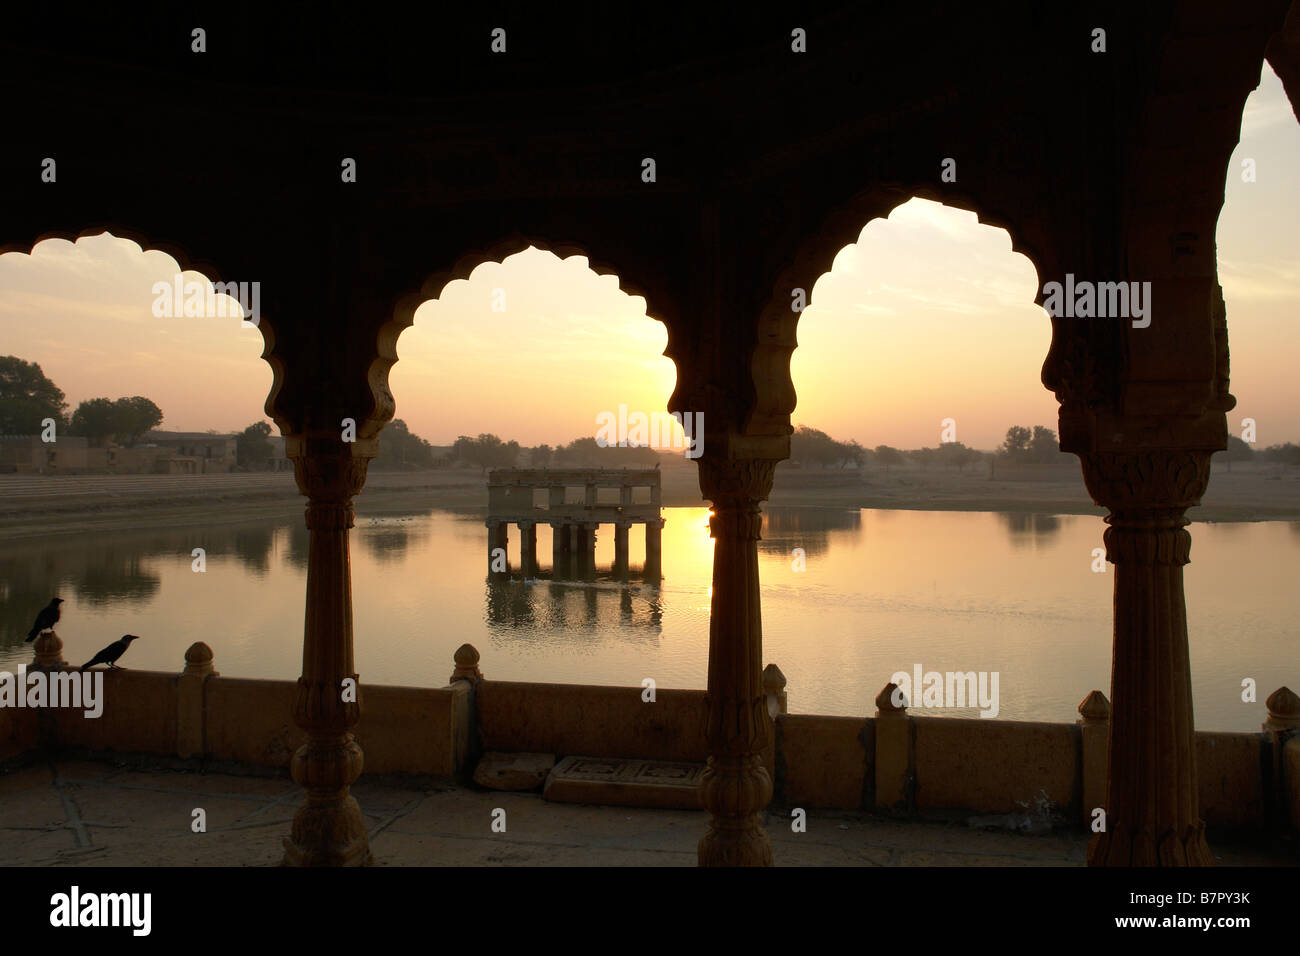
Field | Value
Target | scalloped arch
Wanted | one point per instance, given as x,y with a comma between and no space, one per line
775,396
187,263
433,286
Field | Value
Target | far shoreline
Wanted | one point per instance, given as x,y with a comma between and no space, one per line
37,506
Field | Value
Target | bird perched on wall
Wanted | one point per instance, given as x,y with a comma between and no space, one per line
48,617
110,654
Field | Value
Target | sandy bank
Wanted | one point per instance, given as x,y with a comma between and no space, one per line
39,506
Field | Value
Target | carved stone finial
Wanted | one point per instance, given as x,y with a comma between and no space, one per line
774,689
773,680
885,701
1095,708
467,658
49,651
198,661
1283,710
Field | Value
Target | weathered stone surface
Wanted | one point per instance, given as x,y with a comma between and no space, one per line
625,783
501,771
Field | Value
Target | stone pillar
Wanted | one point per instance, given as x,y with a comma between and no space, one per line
654,549
1282,728
735,787
1283,708
1152,804
777,704
48,649
528,548
586,549
894,760
466,659
328,829
190,736
774,689
1094,730
498,539
559,551
621,529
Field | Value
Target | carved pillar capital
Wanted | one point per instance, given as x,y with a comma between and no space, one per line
736,482
1146,481
330,472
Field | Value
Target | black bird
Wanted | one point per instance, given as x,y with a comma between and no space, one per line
48,617
110,654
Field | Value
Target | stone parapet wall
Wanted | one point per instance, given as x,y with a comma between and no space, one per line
890,763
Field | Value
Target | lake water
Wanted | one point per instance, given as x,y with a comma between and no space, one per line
883,591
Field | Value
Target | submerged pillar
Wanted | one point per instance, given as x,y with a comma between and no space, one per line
498,542
559,551
528,548
587,549
654,564
621,530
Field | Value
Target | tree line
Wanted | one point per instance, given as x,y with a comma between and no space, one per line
28,399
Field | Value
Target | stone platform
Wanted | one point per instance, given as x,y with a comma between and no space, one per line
84,813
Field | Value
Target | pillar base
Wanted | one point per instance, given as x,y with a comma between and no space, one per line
747,846
331,834
1121,847
733,789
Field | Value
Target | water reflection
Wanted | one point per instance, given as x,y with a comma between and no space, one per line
123,570
880,591
388,539
116,578
786,528
555,605
1026,529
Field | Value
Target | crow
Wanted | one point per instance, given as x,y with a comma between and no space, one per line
110,654
48,617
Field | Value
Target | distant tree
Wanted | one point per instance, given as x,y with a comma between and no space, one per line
851,452
399,447
812,446
27,397
925,457
1238,450
1043,447
1287,454
486,451
95,420
253,448
135,418
1016,444
956,455
888,456
541,456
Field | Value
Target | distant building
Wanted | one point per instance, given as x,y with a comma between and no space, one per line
27,454
278,460
187,453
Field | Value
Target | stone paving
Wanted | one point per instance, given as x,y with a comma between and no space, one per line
86,813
